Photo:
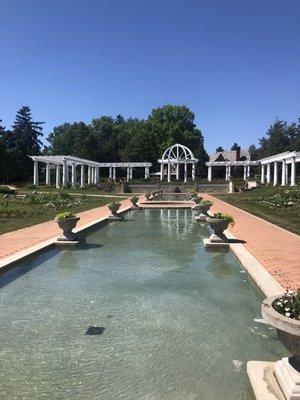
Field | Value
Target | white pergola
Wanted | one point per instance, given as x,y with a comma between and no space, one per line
228,164
67,164
285,159
173,158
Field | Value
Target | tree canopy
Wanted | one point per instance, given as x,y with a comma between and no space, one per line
279,138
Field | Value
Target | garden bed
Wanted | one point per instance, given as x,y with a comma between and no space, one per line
279,205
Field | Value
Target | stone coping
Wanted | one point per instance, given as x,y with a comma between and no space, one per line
263,382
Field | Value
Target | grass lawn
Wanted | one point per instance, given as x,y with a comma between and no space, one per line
31,214
279,205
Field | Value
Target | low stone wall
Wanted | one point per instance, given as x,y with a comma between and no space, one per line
169,188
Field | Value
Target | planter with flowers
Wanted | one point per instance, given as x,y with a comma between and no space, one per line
219,223
67,222
113,208
204,207
148,196
197,200
134,199
283,313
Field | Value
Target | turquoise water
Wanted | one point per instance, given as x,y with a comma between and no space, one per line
173,321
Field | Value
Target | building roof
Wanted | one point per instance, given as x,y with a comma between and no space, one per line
230,155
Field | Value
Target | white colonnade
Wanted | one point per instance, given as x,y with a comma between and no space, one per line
89,170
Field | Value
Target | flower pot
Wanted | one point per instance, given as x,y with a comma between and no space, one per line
287,370
218,225
203,211
113,208
134,201
67,225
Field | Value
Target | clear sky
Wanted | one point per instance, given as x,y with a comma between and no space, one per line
235,63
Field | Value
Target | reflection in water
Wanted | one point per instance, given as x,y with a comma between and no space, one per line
219,267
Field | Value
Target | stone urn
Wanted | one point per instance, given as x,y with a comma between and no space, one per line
204,208
113,207
67,225
197,200
134,200
218,225
287,370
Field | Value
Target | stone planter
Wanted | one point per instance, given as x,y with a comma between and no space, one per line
218,225
134,201
287,370
67,225
113,207
204,208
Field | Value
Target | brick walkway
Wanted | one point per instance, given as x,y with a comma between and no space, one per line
13,242
275,248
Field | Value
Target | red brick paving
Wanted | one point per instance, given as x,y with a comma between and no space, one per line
275,248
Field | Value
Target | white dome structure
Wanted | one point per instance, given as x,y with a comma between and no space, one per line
175,156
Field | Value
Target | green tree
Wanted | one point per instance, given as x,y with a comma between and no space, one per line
219,149
235,146
21,141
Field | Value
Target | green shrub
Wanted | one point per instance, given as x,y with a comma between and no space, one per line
7,190
225,217
64,215
11,213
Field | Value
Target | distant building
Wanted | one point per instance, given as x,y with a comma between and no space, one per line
230,155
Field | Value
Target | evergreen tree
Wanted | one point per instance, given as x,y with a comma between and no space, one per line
23,141
219,149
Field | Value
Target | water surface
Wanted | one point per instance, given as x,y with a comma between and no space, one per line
170,321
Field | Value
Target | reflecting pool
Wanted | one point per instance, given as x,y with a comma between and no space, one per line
140,312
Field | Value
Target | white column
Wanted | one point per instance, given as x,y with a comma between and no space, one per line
65,174
293,172
82,180
131,173
162,172
262,177
48,174
275,178
169,172
89,174
110,173
209,173
97,175
283,173
268,173
193,172
229,172
127,173
185,172
147,172
57,177
36,173
245,172
73,174
177,171
248,171
286,173
114,174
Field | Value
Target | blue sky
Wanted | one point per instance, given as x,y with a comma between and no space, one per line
235,63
